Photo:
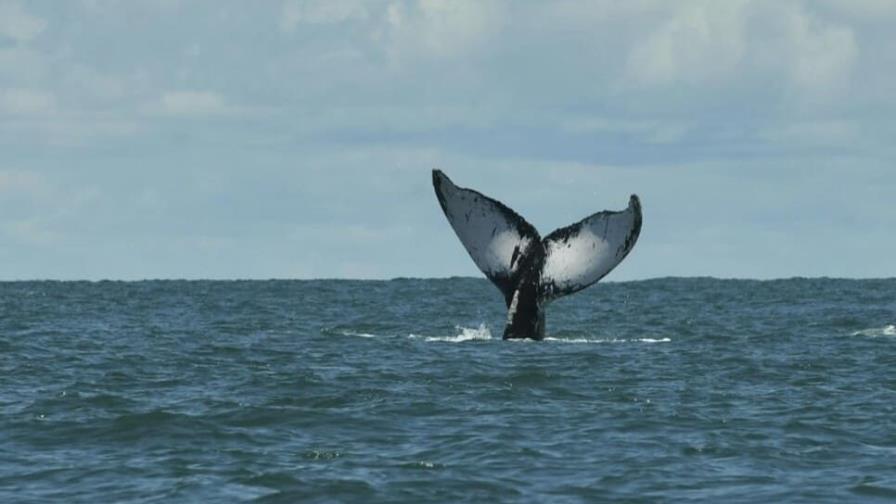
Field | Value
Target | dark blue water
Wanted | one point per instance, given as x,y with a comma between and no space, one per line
402,391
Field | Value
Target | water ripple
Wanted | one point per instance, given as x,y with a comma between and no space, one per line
398,391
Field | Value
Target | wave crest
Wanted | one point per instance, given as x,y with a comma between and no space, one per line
889,330
481,333
609,340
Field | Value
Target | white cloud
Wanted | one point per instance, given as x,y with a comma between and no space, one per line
296,12
17,182
823,54
23,66
34,115
113,5
189,103
35,209
82,130
871,10
440,28
710,44
197,104
96,86
701,43
16,23
26,102
815,134
649,131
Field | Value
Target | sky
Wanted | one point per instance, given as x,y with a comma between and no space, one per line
295,139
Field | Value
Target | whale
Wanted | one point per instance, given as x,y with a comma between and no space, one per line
530,271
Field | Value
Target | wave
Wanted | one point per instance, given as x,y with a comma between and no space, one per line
332,331
610,340
889,330
481,333
358,334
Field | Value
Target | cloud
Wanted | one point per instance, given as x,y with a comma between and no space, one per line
439,28
27,102
880,11
702,43
34,116
823,54
96,88
23,66
189,104
815,134
17,182
716,44
118,5
296,12
17,24
36,210
330,114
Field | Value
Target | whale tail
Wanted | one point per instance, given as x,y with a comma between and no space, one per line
530,271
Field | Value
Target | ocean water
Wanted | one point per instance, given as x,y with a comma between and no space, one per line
669,390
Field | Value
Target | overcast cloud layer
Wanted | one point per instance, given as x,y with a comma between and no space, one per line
294,139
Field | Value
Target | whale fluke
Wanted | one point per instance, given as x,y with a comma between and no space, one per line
579,255
531,271
495,236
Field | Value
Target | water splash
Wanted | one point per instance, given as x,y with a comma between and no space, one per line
358,334
889,330
609,340
347,332
481,333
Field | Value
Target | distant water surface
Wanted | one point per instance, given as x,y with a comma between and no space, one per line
402,391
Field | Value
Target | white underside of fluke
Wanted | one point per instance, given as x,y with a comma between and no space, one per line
495,237
580,255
